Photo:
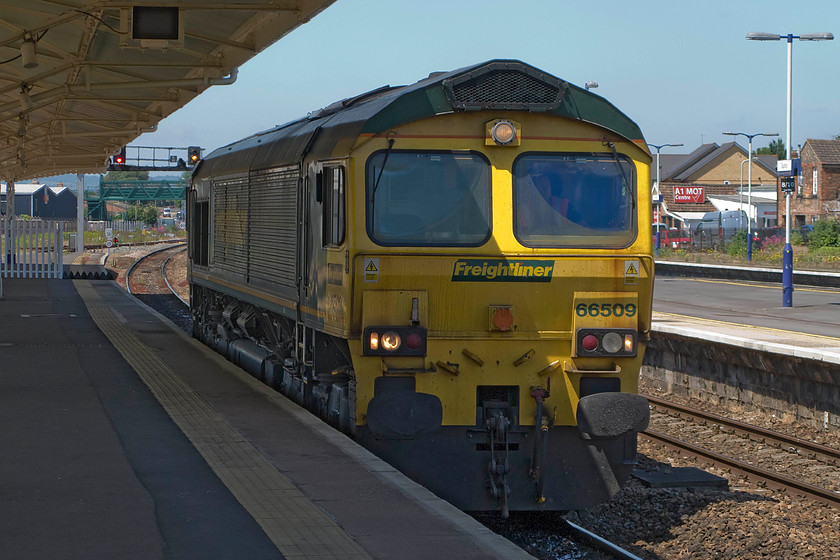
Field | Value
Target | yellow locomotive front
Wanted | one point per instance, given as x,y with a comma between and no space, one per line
502,287
457,272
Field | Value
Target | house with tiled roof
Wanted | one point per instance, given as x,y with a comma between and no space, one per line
817,193
715,177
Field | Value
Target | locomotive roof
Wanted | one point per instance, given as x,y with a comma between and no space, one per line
492,85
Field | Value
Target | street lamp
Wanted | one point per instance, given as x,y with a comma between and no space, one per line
787,254
590,85
749,181
741,194
658,148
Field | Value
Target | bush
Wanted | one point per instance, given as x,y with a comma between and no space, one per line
737,246
824,235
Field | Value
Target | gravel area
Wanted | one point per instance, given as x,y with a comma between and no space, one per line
745,522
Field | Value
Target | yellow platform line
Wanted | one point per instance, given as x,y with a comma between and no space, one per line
297,527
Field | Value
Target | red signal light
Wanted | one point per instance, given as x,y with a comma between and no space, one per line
119,159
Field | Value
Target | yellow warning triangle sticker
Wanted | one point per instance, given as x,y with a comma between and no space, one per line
631,269
370,267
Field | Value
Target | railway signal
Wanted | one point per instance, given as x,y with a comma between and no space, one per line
193,155
119,159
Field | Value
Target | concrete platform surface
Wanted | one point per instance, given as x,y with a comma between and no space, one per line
124,438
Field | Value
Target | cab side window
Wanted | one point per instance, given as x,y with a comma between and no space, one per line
200,231
332,181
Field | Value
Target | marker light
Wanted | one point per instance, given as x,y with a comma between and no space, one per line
589,342
414,341
503,133
374,341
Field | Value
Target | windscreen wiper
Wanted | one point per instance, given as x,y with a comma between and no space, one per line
625,180
378,178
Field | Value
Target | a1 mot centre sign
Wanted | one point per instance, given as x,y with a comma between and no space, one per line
689,195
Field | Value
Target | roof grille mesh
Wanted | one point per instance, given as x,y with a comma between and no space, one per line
504,89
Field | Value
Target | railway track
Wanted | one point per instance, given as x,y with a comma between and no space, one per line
579,534
548,535
796,466
147,279
148,273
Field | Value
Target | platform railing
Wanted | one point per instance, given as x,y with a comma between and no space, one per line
32,249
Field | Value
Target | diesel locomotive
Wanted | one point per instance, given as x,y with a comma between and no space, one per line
457,273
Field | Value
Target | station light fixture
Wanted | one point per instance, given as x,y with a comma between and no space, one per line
28,53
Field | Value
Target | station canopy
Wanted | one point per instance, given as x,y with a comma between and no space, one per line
81,79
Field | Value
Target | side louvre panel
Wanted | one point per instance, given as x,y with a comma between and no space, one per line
273,225
230,225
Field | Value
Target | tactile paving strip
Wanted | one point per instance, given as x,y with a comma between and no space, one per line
298,528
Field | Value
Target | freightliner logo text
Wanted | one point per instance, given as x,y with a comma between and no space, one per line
497,270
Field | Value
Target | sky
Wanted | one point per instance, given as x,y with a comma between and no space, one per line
683,71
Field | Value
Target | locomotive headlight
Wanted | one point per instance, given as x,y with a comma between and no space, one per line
503,133
606,342
394,340
391,341
612,343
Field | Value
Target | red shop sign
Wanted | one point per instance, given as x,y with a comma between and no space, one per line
689,194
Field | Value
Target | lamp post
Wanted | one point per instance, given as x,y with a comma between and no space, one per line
749,181
741,194
658,148
787,254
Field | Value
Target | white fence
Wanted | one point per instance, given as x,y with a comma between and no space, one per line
120,225
32,249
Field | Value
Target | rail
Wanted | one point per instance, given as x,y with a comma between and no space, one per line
761,475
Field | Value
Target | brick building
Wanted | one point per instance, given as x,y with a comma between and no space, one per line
715,177
818,188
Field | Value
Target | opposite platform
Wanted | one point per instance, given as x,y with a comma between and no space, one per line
124,438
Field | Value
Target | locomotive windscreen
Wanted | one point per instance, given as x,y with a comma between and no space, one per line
428,198
574,200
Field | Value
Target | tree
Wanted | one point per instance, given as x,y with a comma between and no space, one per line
776,147
146,214
825,234
127,176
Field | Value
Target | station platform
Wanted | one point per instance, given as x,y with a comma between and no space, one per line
122,437
772,341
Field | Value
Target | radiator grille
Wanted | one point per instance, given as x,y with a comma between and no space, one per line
505,89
